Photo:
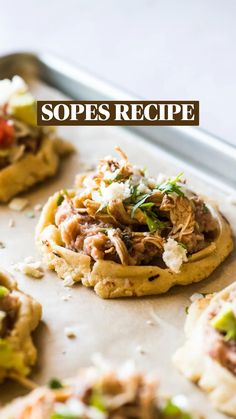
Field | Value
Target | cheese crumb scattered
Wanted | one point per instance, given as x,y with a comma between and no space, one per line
174,255
196,296
11,223
68,281
150,322
18,204
8,88
140,349
30,267
115,190
70,332
38,207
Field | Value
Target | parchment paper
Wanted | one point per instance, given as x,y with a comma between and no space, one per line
115,328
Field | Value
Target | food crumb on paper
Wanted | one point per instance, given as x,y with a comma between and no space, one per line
140,349
2,245
30,214
11,223
70,332
30,267
231,199
150,323
68,281
196,296
18,204
66,297
38,207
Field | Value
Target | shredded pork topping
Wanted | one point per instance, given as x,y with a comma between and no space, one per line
221,340
120,213
19,133
97,395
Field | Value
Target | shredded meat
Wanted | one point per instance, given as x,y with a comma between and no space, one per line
8,311
131,231
222,351
133,397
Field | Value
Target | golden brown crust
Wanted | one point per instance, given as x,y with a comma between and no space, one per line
110,279
28,316
194,362
32,168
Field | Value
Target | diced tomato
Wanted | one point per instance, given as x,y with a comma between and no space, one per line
6,133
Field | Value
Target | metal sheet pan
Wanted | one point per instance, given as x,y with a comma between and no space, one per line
189,144
114,328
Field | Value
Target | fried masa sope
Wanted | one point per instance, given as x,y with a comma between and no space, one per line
95,394
19,316
28,153
208,357
128,234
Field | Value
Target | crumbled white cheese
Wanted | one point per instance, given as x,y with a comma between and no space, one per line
70,332
30,267
161,178
174,255
73,407
108,175
68,281
181,401
196,296
89,182
8,88
115,190
18,204
142,189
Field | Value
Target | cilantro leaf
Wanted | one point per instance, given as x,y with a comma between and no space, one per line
171,186
153,223
54,383
141,201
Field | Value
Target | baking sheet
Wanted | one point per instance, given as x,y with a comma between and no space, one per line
114,328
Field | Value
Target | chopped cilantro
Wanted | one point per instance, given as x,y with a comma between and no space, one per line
147,205
60,199
153,223
171,410
182,245
68,415
54,384
171,186
141,201
205,208
187,309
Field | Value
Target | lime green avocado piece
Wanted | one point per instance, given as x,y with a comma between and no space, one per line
10,359
225,322
23,107
3,291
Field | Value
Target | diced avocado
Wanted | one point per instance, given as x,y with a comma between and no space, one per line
11,360
3,291
23,107
96,401
225,322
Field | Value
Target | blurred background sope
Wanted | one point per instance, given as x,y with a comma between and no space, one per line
156,49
